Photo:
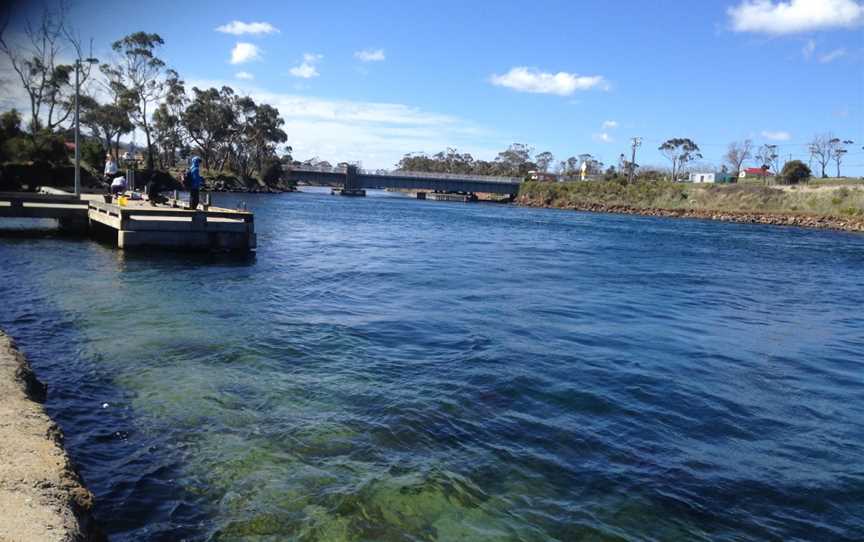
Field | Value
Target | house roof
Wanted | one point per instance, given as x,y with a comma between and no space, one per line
756,171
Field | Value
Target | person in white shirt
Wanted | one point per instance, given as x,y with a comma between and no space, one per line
118,185
110,168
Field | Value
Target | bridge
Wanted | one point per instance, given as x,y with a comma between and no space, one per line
354,180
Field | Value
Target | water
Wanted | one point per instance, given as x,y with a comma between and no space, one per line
387,369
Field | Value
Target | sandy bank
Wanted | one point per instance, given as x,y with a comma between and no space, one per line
41,496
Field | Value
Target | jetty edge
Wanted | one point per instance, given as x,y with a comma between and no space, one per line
42,496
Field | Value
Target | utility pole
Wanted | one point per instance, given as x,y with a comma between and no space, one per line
636,141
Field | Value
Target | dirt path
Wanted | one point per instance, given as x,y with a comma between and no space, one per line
41,497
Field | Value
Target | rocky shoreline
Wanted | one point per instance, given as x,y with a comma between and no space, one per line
42,497
854,224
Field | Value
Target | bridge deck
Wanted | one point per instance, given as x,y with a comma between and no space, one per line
443,182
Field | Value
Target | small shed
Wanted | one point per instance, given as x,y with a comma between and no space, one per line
701,177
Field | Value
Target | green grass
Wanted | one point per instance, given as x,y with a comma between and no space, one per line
845,199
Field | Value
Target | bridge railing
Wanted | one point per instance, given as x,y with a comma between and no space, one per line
450,176
416,174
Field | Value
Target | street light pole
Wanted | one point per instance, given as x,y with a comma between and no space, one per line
77,131
78,123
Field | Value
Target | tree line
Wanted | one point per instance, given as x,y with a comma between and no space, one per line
823,150
135,89
517,160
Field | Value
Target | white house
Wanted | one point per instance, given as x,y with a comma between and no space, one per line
701,177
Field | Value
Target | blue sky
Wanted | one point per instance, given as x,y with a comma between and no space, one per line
370,81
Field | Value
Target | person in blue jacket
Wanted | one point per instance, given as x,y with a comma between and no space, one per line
194,181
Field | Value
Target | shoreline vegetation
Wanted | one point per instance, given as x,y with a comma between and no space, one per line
826,205
42,496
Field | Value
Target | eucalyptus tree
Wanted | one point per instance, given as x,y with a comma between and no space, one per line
737,153
768,156
266,134
167,119
209,119
238,151
516,159
141,72
544,160
840,151
679,151
105,121
36,61
121,101
822,148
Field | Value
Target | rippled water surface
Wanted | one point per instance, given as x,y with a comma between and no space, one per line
388,369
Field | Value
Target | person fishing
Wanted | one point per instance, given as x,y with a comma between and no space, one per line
193,181
118,185
154,186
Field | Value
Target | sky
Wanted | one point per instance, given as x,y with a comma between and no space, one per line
371,81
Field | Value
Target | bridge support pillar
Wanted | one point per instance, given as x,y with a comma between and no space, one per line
352,186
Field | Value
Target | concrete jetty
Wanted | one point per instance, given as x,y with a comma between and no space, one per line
136,223
139,224
42,498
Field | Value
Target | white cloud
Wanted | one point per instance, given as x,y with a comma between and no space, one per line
604,137
370,55
795,16
808,49
239,28
244,52
610,124
776,135
562,83
376,133
244,75
832,56
307,68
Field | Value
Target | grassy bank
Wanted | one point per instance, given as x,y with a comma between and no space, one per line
822,199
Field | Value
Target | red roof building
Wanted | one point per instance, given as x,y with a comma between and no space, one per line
754,172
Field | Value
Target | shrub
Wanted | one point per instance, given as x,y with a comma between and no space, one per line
48,147
795,171
272,172
10,126
93,153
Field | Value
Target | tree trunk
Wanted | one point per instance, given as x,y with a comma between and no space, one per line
149,147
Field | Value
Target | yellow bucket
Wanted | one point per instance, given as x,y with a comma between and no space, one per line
122,200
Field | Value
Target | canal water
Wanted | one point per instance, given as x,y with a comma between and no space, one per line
388,369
